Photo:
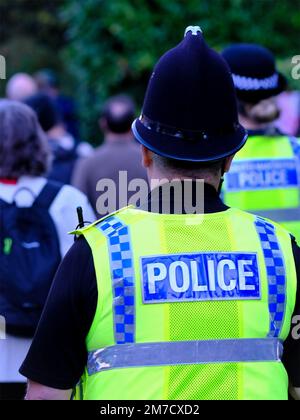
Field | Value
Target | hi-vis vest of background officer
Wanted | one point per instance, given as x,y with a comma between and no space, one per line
190,307
264,178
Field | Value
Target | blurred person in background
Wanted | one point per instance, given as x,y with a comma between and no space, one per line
48,83
20,86
289,106
120,152
35,216
264,175
62,143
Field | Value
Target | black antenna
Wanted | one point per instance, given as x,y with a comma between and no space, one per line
80,217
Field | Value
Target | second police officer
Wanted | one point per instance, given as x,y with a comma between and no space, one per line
265,174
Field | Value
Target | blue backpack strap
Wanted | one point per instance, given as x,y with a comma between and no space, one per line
48,194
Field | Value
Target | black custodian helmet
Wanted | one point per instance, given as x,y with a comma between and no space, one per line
190,107
254,72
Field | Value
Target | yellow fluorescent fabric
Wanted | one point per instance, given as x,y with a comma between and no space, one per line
261,199
155,235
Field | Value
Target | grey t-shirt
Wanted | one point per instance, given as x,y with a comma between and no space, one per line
106,163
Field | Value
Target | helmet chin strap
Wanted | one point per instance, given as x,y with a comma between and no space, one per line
222,177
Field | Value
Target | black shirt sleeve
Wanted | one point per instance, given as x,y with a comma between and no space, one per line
291,355
58,354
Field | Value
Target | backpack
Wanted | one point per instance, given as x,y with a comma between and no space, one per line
29,258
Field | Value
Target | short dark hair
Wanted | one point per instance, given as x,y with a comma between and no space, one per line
46,109
119,113
260,113
188,168
23,145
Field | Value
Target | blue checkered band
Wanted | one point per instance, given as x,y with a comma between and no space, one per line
122,274
295,143
276,274
249,83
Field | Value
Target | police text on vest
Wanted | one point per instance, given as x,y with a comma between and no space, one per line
201,276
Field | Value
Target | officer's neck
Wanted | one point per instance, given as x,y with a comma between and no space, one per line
183,197
157,178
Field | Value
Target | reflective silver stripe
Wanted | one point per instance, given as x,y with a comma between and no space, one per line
279,215
184,353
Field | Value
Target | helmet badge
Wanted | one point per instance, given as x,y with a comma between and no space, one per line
194,29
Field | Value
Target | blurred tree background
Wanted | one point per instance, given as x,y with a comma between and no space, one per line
31,35
103,47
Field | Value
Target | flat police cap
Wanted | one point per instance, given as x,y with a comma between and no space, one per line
190,109
254,72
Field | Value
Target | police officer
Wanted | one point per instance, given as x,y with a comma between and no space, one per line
157,305
264,177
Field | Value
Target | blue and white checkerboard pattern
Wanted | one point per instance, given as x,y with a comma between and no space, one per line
276,274
123,283
295,143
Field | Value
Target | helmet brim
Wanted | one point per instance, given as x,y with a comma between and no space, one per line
212,149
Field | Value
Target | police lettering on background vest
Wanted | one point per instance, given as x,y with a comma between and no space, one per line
262,174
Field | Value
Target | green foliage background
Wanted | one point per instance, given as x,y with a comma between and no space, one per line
31,35
113,44
103,47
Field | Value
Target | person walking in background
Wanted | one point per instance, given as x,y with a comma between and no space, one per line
20,86
118,153
62,143
48,83
35,216
264,177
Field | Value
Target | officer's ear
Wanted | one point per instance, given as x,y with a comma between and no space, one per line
147,157
228,162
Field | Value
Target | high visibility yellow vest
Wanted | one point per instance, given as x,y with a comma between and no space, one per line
264,179
190,307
